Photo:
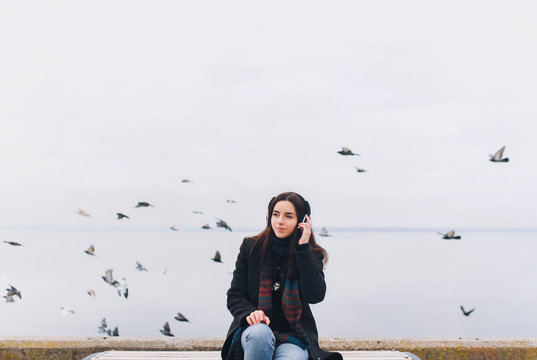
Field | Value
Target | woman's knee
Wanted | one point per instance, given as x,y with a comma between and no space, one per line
258,333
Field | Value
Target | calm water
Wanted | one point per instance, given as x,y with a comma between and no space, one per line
380,284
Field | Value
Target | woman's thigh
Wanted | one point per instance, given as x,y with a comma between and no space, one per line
289,351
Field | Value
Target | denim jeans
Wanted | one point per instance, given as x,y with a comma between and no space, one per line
258,343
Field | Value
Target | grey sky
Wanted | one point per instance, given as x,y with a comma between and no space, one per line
104,104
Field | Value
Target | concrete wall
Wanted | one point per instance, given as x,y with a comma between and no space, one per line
44,348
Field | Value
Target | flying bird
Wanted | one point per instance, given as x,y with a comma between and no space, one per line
66,311
140,267
360,170
174,228
186,181
143,204
222,224
231,201
324,232
197,212
13,243
90,251
166,330
450,235
121,216
108,278
92,292
82,213
103,327
346,151
12,291
181,317
497,157
217,257
466,313
113,333
206,226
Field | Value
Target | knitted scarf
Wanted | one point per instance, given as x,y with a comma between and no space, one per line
291,303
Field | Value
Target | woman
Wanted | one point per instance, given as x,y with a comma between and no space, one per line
277,275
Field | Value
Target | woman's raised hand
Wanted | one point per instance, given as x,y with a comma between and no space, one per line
257,317
306,231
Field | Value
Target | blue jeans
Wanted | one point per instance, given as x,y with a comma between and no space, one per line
258,343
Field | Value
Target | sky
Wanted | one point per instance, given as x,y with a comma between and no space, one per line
107,103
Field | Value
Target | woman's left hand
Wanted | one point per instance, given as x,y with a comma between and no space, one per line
306,231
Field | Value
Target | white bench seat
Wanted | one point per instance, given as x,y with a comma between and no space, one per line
212,355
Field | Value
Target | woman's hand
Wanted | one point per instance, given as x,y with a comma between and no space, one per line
306,231
257,317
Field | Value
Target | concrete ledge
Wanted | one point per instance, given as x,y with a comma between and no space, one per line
76,348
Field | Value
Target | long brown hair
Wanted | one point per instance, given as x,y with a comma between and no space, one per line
263,240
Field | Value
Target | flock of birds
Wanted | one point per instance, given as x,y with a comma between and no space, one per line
497,157
123,290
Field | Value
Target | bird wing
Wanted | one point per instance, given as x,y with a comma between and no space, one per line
103,323
462,308
217,255
345,149
91,249
167,327
498,154
469,312
108,275
450,233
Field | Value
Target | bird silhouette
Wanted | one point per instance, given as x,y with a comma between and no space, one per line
346,151
206,226
121,216
450,235
231,201
174,228
12,291
143,204
66,311
360,170
103,327
166,330
221,223
197,212
324,232
91,292
140,267
113,333
181,317
217,257
466,313
186,181
109,279
90,251
82,213
13,243
497,157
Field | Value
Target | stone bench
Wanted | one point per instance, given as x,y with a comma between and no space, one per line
213,355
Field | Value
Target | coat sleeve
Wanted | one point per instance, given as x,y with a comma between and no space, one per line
310,274
237,296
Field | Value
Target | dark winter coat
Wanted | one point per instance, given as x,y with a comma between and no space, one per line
242,296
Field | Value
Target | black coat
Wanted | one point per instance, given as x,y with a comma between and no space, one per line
243,294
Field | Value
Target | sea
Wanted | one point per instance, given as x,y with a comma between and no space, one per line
381,283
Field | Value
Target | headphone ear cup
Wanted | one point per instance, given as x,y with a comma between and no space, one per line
308,209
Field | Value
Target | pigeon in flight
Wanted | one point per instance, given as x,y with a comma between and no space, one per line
90,251
143,204
206,226
174,228
103,327
231,201
113,333
186,181
108,278
181,317
450,235
166,330
346,151
217,257
197,212
12,291
121,216
92,293
324,232
82,213
66,311
140,267
13,243
359,170
497,157
221,223
466,313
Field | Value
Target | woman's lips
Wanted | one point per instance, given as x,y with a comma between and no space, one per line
280,229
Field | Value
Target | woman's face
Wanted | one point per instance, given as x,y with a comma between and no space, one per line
283,219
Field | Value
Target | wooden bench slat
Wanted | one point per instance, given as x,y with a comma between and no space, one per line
211,355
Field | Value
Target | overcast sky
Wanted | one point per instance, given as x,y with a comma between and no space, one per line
107,103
